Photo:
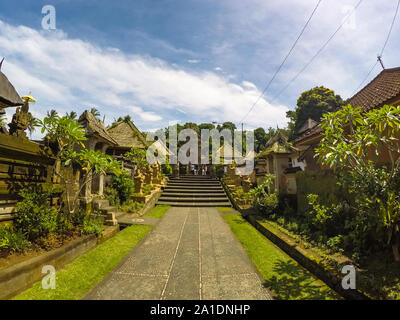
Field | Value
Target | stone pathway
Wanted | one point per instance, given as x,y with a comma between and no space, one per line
190,254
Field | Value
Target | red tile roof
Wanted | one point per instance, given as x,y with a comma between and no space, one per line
384,87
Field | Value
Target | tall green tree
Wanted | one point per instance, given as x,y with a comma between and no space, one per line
227,125
352,144
312,104
208,126
95,112
260,139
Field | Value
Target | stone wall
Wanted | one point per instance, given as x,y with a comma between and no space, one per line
22,163
322,183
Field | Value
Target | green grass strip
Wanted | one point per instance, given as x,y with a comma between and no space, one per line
224,209
283,275
79,277
157,212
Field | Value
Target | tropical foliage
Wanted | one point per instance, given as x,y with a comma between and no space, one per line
312,104
265,201
65,136
353,144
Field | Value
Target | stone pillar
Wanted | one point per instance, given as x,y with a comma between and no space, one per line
246,184
147,175
138,181
101,176
175,170
231,173
87,190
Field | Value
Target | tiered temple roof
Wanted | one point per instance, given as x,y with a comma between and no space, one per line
126,134
9,97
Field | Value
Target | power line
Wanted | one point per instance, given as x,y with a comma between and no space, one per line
391,27
383,48
373,67
318,52
283,62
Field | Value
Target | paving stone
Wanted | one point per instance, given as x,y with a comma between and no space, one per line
190,254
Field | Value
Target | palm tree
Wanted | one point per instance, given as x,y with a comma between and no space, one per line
33,122
52,113
95,112
72,115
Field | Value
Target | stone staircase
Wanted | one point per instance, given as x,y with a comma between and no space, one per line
110,213
194,191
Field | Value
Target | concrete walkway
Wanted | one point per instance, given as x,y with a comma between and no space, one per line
190,254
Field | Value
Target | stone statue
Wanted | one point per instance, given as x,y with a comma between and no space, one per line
138,180
21,121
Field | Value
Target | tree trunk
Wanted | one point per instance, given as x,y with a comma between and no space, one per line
395,247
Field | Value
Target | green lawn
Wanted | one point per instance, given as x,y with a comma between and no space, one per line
78,277
224,209
284,276
157,212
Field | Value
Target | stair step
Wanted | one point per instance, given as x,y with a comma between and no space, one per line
184,199
194,191
202,191
194,184
196,180
196,204
100,204
194,194
193,187
191,177
108,209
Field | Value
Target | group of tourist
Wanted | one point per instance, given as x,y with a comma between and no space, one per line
196,169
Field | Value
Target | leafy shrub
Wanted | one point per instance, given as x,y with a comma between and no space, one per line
124,185
147,189
323,218
267,204
131,206
264,202
112,196
13,240
64,225
137,156
166,168
335,243
91,226
78,217
35,217
219,170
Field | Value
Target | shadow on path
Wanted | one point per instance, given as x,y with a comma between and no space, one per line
294,282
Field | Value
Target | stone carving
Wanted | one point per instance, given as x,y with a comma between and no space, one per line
246,184
138,179
231,174
21,121
148,179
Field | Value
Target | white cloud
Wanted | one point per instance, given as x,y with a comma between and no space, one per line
145,115
70,74
193,61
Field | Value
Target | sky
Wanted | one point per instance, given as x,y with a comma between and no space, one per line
164,61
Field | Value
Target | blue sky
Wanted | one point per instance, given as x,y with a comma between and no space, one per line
193,60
